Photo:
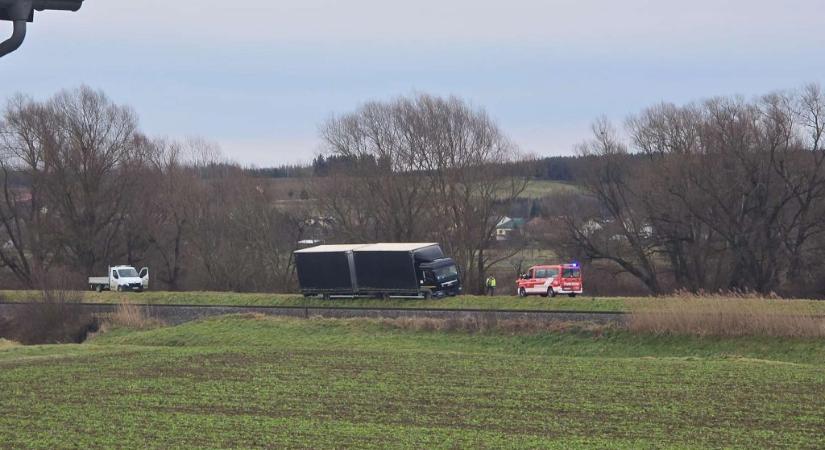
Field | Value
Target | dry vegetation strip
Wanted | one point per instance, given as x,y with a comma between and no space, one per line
489,324
720,316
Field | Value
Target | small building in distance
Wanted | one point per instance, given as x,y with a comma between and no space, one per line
507,227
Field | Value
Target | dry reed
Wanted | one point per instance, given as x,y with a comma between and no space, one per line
726,316
129,315
4,344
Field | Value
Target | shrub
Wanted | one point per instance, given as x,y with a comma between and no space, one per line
55,317
129,315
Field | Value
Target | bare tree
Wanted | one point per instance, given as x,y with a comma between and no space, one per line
669,137
728,193
422,168
25,248
620,233
90,154
76,151
169,191
805,177
240,239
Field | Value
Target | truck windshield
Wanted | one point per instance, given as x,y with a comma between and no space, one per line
127,273
445,272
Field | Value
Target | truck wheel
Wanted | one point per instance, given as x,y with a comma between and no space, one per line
99,288
427,295
522,292
551,292
572,295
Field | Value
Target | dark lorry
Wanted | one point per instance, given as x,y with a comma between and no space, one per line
381,270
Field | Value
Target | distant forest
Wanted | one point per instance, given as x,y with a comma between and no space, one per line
553,168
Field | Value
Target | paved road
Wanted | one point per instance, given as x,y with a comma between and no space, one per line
177,314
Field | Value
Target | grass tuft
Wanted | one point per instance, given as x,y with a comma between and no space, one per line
128,315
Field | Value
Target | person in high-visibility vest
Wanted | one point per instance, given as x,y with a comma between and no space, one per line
491,285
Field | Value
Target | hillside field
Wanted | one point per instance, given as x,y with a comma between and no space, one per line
537,189
250,381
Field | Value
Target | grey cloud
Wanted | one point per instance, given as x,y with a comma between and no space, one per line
433,21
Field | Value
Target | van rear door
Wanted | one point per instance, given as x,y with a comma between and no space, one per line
144,277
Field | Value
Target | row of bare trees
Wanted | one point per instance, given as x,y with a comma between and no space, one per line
729,194
722,194
82,188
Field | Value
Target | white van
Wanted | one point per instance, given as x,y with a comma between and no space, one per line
121,278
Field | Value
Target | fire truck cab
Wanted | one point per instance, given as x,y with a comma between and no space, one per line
551,280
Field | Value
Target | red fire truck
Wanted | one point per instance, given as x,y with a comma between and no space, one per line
551,280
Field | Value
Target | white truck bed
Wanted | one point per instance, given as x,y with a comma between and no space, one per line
99,280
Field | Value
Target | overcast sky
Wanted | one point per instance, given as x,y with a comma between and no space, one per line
260,76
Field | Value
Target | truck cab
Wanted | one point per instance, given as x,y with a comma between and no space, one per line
551,280
439,278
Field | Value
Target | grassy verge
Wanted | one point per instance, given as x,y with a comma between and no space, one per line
389,335
252,299
583,303
244,381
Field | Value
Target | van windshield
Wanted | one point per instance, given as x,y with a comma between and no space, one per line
571,273
127,273
445,272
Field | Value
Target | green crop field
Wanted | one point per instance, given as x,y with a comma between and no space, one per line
244,381
544,188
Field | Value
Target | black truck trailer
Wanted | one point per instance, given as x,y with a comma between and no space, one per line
379,270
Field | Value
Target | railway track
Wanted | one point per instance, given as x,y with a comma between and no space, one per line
177,314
